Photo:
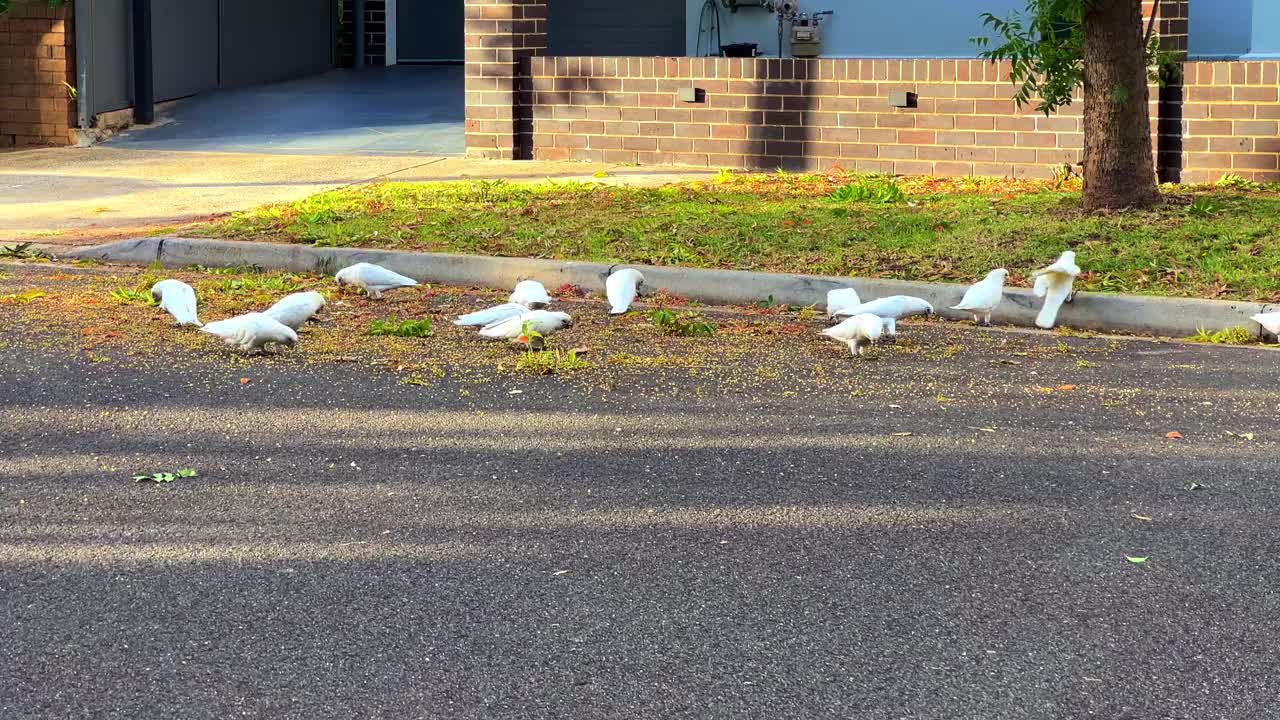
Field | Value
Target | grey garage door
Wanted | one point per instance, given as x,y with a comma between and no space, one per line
614,27
267,41
184,38
428,30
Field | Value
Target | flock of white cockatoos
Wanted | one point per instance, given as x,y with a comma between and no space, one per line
861,324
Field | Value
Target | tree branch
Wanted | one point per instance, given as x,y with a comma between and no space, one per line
1151,23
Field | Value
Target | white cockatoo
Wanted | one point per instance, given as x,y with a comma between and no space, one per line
294,310
178,299
891,309
531,294
858,332
1269,322
983,297
1054,284
543,322
841,300
373,279
252,332
621,288
488,316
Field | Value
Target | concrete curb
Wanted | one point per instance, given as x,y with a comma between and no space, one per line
1142,315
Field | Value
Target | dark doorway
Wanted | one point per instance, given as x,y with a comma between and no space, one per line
429,31
592,27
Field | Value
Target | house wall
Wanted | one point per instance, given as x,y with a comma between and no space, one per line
865,29
1231,121
37,55
1221,29
801,114
1266,29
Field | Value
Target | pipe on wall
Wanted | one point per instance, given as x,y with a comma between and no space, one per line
84,51
358,33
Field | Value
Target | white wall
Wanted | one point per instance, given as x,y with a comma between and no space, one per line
866,28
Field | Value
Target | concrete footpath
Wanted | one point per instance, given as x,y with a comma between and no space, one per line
77,196
1136,314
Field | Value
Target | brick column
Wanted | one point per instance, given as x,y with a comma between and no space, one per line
1173,29
1171,25
37,56
501,36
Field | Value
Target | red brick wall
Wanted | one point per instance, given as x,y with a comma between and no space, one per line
501,37
803,114
1231,121
36,57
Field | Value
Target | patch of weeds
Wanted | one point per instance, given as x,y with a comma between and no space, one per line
550,362
238,270
1086,364
23,251
685,324
265,283
871,190
1229,336
724,177
22,298
1204,206
402,328
1236,182
166,477
133,296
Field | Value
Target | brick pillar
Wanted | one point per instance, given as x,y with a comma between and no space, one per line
1173,28
37,56
501,36
1171,25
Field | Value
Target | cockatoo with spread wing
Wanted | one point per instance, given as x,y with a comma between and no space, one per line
1054,284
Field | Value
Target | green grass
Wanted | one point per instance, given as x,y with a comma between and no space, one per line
686,324
1229,336
1225,247
550,362
402,328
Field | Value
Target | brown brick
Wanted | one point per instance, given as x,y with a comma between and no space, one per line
1264,128
1255,162
895,120
898,152
1038,140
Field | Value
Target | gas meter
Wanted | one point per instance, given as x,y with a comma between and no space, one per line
806,34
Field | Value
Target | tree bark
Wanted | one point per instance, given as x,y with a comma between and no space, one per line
1118,168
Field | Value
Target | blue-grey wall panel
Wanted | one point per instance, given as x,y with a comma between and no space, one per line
1266,30
429,30
185,47
592,27
277,40
867,28
109,68
1220,29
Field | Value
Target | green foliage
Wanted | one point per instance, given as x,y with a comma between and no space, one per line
550,362
1235,182
1229,336
22,251
166,477
254,284
1204,207
939,237
22,298
402,328
1045,46
133,296
685,324
724,176
881,191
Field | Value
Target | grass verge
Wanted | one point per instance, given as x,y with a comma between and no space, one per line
1207,242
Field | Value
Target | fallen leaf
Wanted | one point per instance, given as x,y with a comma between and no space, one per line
1003,361
1143,518
903,434
1066,388
1175,435
1137,560
561,572
244,381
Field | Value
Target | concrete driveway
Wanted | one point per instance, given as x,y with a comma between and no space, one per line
414,110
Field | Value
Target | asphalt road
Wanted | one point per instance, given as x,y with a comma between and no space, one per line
661,547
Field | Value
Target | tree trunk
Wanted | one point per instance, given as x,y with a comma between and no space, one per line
1118,169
